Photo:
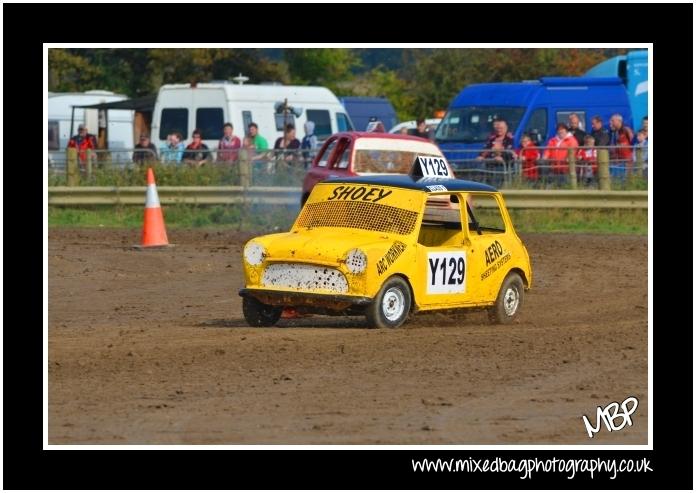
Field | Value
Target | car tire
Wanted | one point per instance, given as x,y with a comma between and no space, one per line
391,306
259,315
509,301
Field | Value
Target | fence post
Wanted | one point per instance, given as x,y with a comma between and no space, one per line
244,169
90,158
572,175
603,169
244,165
73,178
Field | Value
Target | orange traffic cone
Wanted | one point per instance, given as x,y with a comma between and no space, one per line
154,233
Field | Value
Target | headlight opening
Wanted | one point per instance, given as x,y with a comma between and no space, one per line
356,261
254,254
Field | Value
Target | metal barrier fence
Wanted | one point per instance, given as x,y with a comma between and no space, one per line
122,167
604,168
290,196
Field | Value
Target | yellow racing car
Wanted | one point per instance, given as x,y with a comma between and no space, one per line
388,246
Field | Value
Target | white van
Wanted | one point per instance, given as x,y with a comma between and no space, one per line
208,106
118,127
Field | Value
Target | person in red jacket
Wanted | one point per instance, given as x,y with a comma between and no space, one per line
529,154
587,161
558,146
83,142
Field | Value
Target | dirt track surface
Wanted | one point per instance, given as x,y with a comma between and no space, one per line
151,348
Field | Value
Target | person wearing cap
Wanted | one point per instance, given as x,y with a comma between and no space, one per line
148,150
83,142
558,146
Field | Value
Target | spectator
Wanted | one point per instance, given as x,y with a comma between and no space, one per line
173,150
499,136
621,137
229,145
83,142
310,142
403,130
575,128
529,154
500,139
587,161
374,125
600,134
643,128
640,155
421,129
260,143
148,152
557,152
286,145
164,148
197,153
249,146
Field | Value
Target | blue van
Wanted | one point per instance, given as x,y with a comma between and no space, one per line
632,69
360,109
532,107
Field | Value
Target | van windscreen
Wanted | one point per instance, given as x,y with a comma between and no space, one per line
473,124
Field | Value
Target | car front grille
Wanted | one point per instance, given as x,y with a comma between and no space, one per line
304,277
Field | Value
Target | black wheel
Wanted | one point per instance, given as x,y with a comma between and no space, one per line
509,300
259,315
391,306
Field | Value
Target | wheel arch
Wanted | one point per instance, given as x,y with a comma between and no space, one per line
521,273
413,308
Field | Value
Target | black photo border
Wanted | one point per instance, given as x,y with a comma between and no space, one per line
28,466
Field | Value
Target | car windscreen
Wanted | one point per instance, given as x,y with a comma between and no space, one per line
473,124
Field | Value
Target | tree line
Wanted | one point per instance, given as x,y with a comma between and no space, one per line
416,81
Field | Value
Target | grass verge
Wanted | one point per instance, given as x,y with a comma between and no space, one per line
274,218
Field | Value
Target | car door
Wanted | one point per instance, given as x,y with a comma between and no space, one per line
488,246
442,256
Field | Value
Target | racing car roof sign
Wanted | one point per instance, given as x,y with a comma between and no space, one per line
430,166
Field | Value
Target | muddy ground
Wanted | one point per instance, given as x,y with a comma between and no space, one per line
151,348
